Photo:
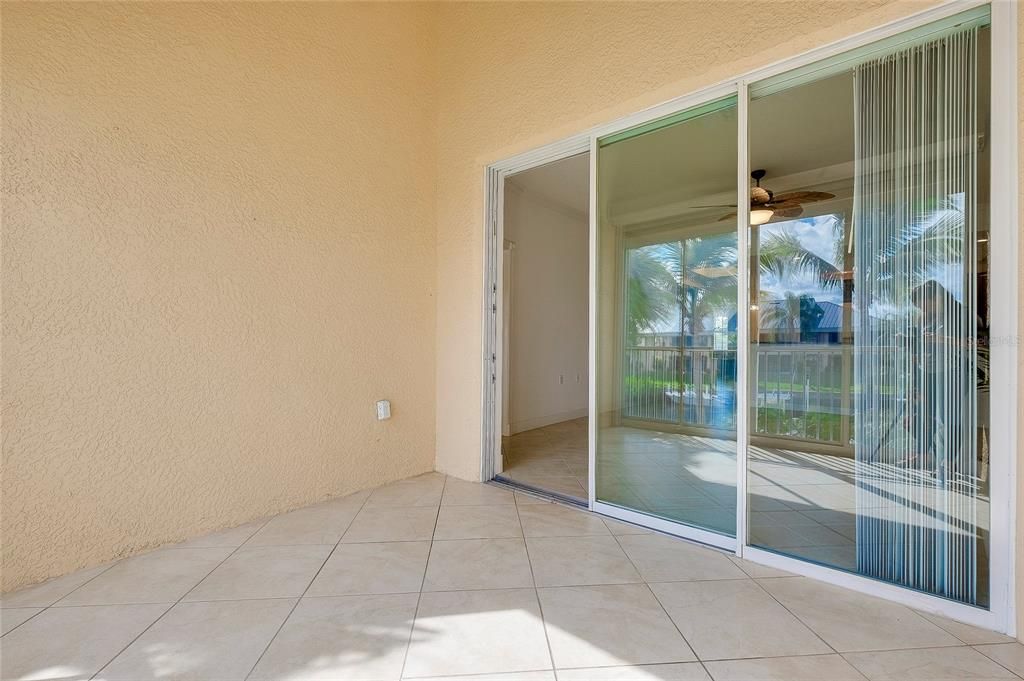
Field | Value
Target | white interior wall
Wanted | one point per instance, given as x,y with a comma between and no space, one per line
548,336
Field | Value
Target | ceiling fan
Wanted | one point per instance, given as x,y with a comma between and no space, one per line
766,205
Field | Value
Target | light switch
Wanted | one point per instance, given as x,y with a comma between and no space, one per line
383,409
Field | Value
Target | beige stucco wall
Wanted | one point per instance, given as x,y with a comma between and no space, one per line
218,252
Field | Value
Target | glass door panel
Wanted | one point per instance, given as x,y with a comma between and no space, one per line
868,332
666,319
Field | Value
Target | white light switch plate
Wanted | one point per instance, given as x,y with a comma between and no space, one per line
383,409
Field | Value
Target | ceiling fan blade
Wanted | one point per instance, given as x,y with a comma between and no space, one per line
782,205
802,197
790,211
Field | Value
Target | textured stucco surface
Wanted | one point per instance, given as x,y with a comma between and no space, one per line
218,252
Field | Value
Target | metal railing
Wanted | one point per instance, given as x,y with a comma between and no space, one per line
802,391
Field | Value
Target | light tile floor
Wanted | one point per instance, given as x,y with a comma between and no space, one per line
553,458
438,578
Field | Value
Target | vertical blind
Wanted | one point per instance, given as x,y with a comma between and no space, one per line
918,370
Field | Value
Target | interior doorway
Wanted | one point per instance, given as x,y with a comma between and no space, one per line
545,324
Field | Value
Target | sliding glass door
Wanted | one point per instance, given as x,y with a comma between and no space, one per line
869,346
863,354
666,437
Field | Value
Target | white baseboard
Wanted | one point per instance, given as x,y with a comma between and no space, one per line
547,420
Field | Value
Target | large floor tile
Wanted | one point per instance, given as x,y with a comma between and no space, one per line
849,621
262,572
73,643
556,520
577,561
803,668
12,617
477,632
545,675
349,637
681,671
202,641
161,576
230,537
666,559
965,632
47,593
621,624
463,493
478,522
733,619
927,664
478,564
320,524
377,568
1010,655
392,524
424,490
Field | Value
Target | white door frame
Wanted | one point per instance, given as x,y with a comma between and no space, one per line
1004,226
508,261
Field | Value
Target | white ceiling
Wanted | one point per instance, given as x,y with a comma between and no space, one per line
565,183
795,135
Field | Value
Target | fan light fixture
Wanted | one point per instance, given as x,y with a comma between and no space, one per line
765,205
760,216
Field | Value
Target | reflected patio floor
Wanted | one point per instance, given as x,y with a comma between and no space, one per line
801,504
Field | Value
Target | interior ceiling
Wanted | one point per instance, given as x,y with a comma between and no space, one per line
798,130
565,182
795,131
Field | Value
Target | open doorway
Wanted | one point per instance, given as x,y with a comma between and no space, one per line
545,305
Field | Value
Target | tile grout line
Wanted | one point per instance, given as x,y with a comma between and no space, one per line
309,584
423,581
113,564
972,645
171,607
536,592
41,611
661,605
981,652
961,643
906,650
44,608
840,653
510,676
262,523
794,615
